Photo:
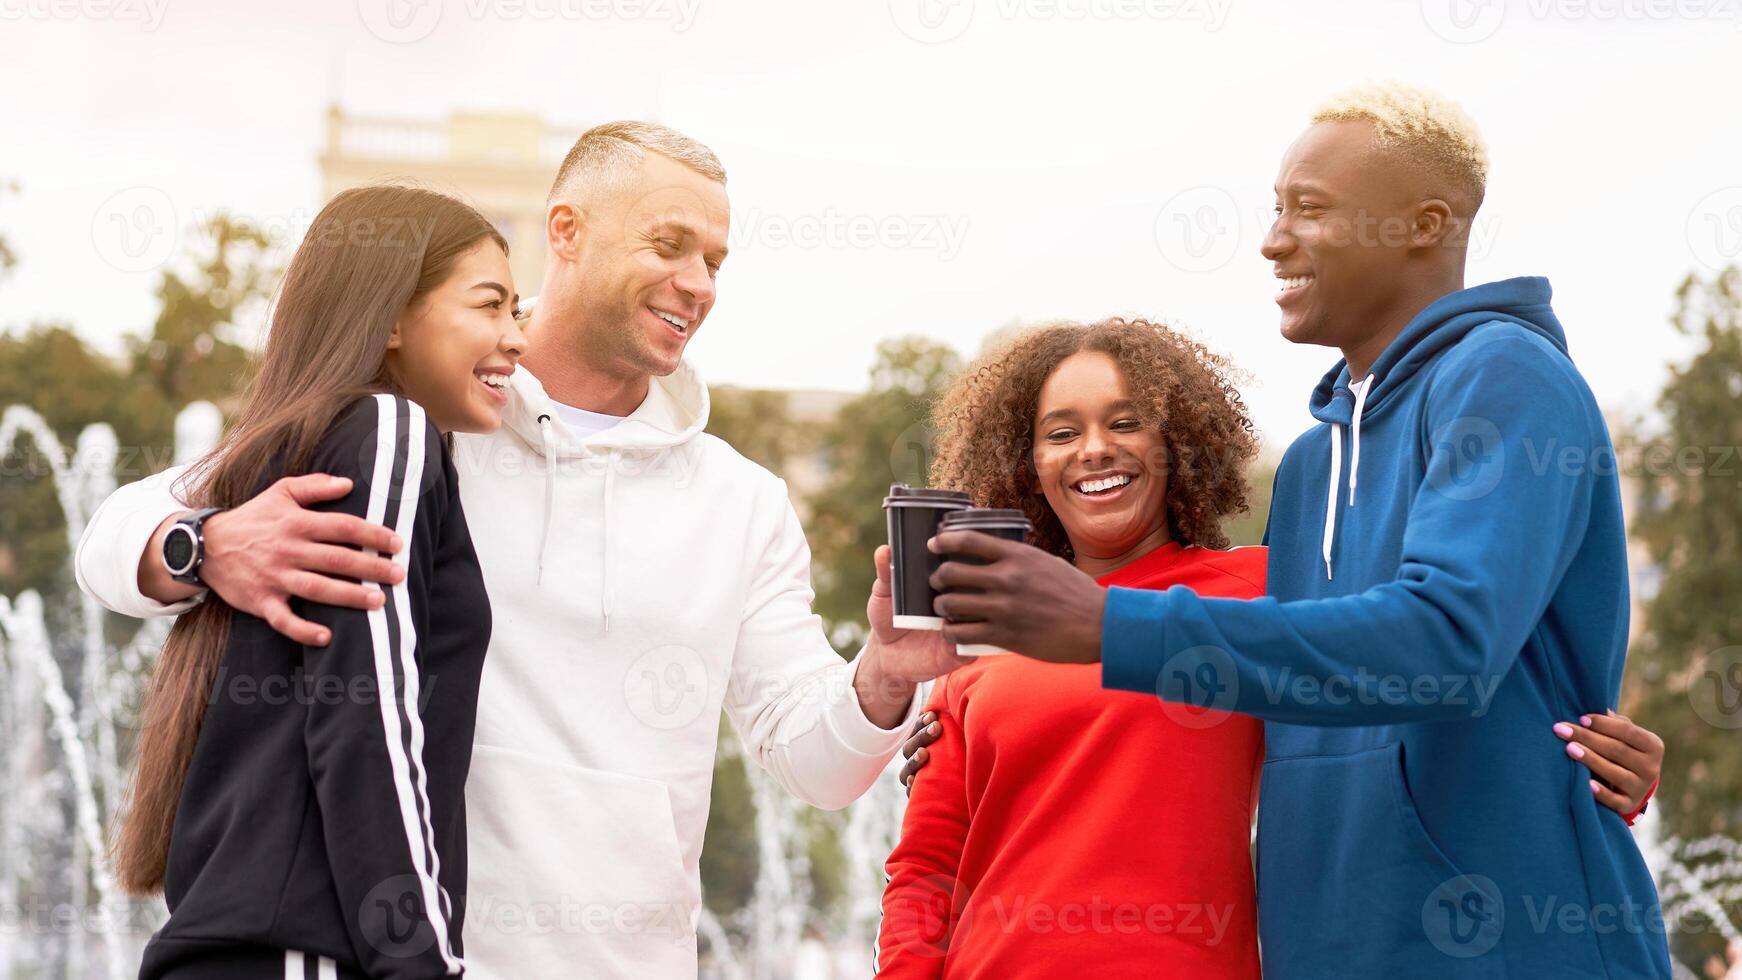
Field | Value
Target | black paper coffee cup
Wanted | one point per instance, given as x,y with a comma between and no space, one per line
1010,525
914,514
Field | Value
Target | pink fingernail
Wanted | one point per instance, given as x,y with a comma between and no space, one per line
1563,729
1585,720
1595,788
1575,750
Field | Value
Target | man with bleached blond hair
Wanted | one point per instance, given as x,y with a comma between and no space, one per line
1447,580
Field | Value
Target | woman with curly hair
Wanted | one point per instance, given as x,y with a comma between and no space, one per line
1062,828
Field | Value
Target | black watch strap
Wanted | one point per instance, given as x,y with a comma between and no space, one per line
184,547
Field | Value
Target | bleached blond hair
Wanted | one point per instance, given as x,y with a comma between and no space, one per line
610,153
1427,126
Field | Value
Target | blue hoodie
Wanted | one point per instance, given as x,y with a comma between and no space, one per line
1447,579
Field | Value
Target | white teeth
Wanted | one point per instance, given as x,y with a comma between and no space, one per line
497,381
674,321
1294,282
1105,483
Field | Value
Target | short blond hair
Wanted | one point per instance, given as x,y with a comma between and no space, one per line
1421,123
609,153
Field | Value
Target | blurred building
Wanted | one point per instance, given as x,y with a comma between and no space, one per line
501,162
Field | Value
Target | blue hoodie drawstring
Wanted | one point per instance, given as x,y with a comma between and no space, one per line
1360,389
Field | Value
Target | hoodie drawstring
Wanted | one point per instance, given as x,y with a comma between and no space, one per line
549,447
1360,389
549,490
605,571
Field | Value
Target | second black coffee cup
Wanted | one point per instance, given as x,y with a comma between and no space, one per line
1008,524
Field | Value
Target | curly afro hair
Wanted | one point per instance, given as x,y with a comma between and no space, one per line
984,424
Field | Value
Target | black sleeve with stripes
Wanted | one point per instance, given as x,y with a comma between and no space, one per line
365,734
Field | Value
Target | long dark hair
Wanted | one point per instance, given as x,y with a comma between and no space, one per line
371,253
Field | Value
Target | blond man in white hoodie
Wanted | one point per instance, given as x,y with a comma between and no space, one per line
643,576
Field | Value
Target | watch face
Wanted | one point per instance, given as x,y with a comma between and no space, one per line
178,549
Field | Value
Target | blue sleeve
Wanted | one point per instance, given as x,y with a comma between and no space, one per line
1490,534
364,733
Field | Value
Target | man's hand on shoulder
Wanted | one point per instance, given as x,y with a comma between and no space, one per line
264,552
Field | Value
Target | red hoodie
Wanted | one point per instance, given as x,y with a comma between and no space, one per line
1063,830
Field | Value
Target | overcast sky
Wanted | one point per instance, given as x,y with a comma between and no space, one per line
965,163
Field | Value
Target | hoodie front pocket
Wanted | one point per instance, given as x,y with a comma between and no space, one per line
1350,883
570,866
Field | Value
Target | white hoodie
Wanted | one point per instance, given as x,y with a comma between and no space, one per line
640,581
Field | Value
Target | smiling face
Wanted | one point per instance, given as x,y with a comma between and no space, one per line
644,256
453,349
1101,466
1342,236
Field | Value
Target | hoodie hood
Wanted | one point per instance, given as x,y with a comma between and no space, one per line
1445,321
674,412
1340,400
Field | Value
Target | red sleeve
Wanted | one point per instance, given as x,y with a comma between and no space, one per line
921,899
1636,814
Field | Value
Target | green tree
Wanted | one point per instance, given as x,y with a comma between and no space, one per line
878,438
192,353
1690,521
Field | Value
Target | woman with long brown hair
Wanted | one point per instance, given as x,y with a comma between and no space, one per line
301,808
1060,828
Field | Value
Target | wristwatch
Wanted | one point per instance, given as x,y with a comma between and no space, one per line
184,547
